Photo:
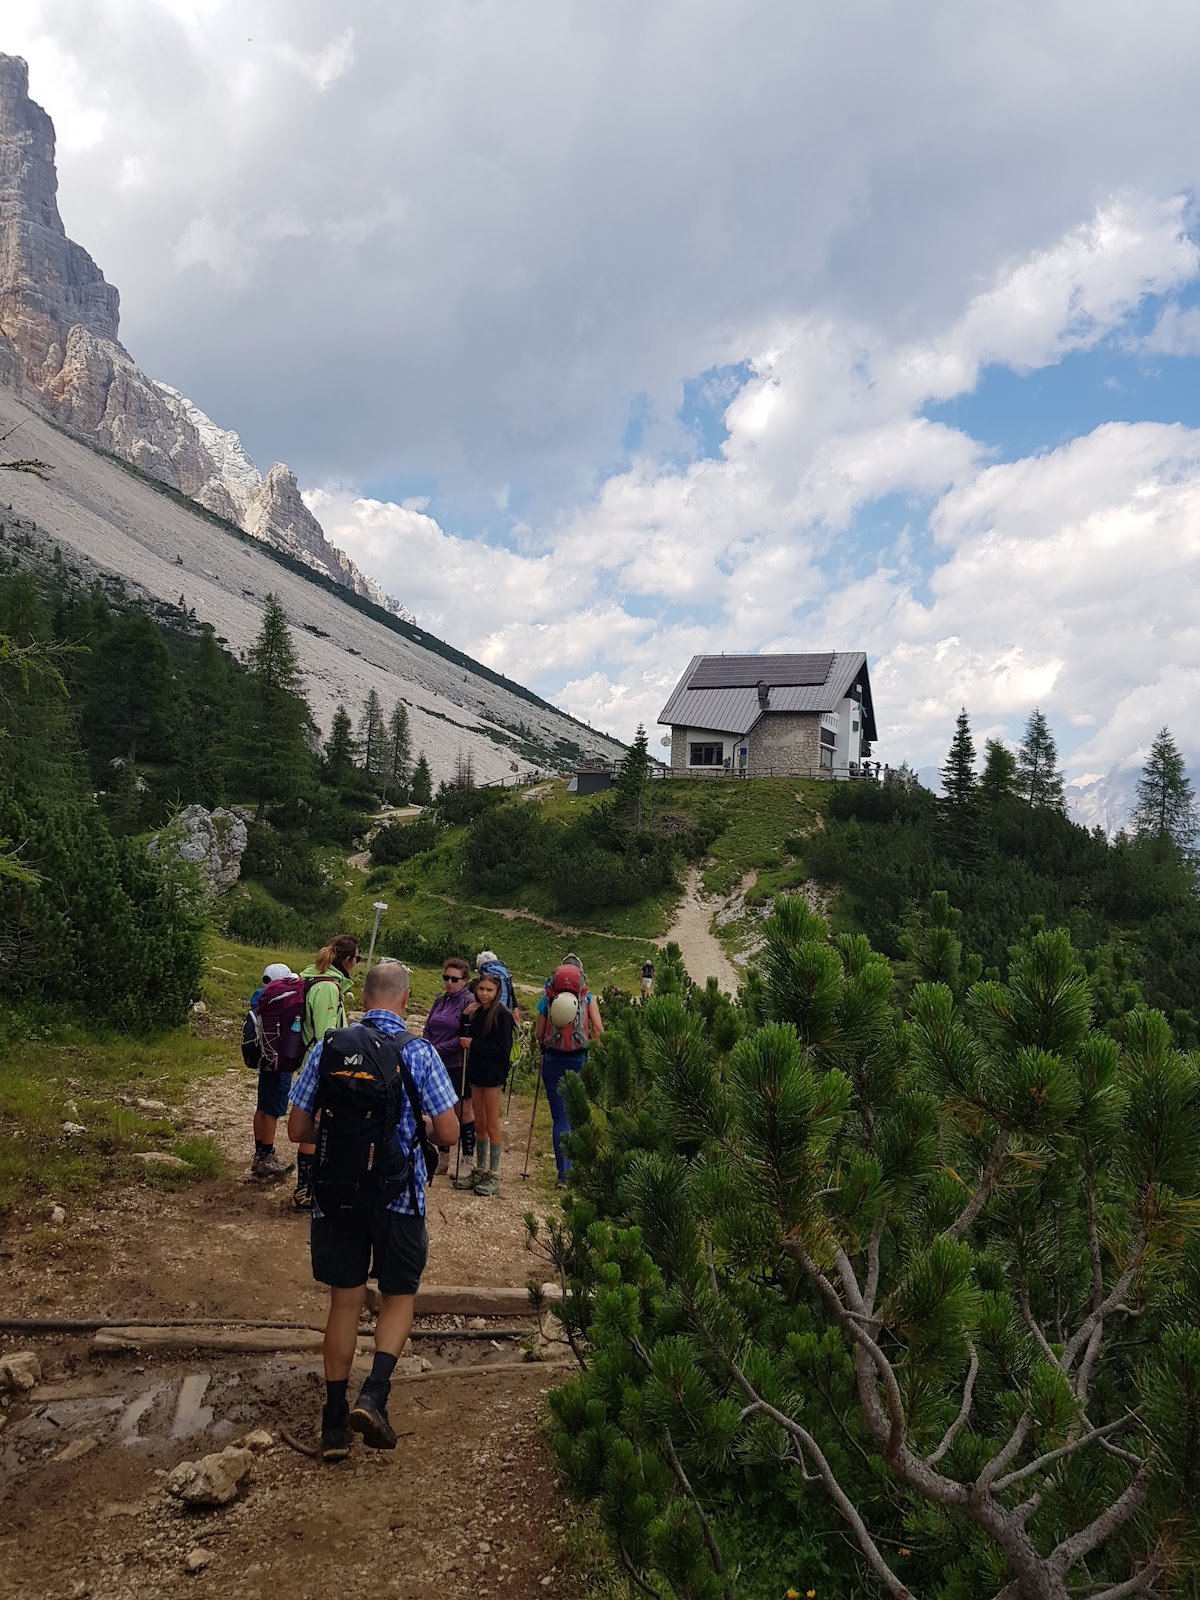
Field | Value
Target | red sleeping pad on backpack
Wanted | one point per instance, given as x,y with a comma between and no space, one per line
572,1036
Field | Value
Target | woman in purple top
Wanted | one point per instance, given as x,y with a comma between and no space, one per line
443,1027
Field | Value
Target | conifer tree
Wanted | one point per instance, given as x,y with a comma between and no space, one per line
372,732
421,788
276,762
204,725
341,750
1166,804
1039,782
133,702
999,775
633,776
399,750
958,809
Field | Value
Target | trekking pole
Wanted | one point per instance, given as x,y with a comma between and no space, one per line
462,1100
537,1084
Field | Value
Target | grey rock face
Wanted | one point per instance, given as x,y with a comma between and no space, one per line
214,841
58,345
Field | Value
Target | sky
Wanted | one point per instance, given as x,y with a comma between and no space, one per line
603,334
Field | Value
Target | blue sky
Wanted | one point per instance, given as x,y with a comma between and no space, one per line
604,337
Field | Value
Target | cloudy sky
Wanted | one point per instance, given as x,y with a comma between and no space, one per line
607,332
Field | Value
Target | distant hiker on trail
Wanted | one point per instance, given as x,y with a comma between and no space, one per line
443,1027
325,984
508,993
274,1081
362,1098
568,1019
647,979
488,1029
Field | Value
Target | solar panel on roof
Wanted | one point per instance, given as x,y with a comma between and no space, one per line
743,672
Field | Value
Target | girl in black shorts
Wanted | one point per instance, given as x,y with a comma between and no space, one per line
487,1036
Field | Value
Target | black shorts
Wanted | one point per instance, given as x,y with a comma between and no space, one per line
389,1246
488,1075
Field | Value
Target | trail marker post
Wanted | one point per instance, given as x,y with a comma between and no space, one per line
380,907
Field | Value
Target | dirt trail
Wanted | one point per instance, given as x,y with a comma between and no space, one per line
510,915
703,954
467,1503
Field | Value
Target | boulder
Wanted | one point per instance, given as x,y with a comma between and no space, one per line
20,1370
213,1480
213,841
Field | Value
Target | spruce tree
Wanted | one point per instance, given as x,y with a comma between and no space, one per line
999,775
958,809
204,726
341,750
275,760
633,775
1039,782
1166,804
399,750
421,788
133,702
372,732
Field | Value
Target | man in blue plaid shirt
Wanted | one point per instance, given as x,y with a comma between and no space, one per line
391,1244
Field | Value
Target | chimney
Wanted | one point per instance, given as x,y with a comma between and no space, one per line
764,692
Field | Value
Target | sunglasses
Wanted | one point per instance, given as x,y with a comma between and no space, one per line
453,977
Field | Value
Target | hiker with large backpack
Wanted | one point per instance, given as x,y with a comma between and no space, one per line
273,1082
362,1100
568,1019
488,1030
443,1027
508,990
326,982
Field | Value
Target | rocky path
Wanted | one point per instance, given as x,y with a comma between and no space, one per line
703,953
467,1504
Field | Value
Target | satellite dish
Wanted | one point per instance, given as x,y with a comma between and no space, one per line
665,741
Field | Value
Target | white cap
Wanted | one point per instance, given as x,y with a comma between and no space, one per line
277,970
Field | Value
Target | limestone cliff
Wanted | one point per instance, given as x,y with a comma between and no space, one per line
59,349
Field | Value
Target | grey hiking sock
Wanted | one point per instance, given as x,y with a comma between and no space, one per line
496,1152
481,1155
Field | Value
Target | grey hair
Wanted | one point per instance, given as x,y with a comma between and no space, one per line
386,979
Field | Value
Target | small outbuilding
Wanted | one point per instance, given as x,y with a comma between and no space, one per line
591,780
796,716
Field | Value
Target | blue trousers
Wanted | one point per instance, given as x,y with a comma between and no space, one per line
554,1069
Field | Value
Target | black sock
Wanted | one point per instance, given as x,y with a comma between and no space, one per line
261,1148
381,1370
335,1397
468,1139
304,1167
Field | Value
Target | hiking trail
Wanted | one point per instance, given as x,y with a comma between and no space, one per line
467,1503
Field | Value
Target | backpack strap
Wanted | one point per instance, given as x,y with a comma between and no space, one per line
419,1142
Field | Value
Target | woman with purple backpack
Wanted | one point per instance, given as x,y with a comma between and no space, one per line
443,1026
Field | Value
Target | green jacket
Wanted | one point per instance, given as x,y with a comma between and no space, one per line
325,1006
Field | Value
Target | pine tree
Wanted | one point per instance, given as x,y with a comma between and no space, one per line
421,788
999,775
275,758
341,750
633,776
132,705
1166,804
399,751
372,732
958,809
1039,782
204,728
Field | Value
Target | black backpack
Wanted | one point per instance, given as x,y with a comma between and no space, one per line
360,1079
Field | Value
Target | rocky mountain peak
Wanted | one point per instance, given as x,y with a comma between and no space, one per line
59,348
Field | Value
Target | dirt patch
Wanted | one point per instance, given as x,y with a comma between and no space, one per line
692,930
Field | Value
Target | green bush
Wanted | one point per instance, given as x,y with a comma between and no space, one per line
261,920
400,841
290,869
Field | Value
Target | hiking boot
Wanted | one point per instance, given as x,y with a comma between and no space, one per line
302,1199
369,1418
470,1180
336,1437
489,1185
270,1166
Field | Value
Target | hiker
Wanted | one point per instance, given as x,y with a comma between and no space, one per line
368,1211
564,1033
273,1083
488,1030
647,979
508,993
443,1027
326,981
